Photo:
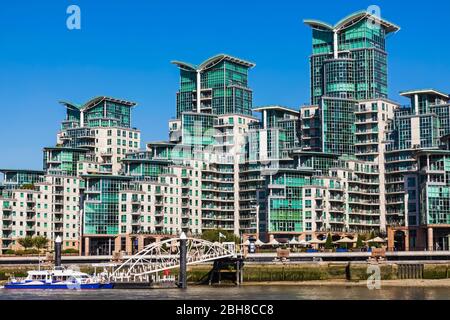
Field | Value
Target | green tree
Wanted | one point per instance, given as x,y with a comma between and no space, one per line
40,242
359,242
329,242
27,186
213,235
26,242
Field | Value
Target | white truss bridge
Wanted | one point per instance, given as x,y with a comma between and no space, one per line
165,255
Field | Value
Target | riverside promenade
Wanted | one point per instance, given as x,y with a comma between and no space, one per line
391,256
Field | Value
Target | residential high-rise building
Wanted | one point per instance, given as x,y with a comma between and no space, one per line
352,162
348,64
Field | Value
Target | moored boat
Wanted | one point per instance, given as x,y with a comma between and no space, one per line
58,279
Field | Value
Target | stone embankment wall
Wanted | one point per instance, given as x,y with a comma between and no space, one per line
293,272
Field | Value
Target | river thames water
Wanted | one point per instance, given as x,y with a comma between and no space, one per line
237,293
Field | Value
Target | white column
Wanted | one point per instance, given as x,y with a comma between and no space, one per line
81,119
335,44
199,86
416,104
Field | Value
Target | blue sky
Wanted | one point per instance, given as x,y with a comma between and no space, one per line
124,49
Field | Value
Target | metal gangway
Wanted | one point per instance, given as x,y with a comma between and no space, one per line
165,255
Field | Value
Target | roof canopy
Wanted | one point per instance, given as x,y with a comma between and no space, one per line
276,107
211,62
350,21
21,171
411,93
95,101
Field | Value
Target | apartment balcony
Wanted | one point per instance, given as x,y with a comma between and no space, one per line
218,218
395,213
218,199
185,205
185,215
217,226
364,222
7,217
336,221
433,169
368,131
395,191
396,223
247,217
93,190
366,121
364,213
366,110
366,152
395,181
374,182
7,227
337,209
136,201
54,160
367,142
363,202
364,191
58,182
7,207
395,202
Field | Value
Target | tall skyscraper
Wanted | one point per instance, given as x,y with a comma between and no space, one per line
348,64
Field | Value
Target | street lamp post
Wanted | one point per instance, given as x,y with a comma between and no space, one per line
257,222
183,261
58,243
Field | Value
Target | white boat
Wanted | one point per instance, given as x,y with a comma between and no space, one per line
58,279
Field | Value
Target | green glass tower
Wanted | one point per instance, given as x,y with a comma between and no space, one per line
349,59
348,64
223,83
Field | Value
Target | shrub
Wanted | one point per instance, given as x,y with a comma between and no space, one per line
26,242
213,235
26,252
329,242
40,242
70,251
433,271
359,242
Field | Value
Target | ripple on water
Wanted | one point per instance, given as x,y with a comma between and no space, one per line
236,293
